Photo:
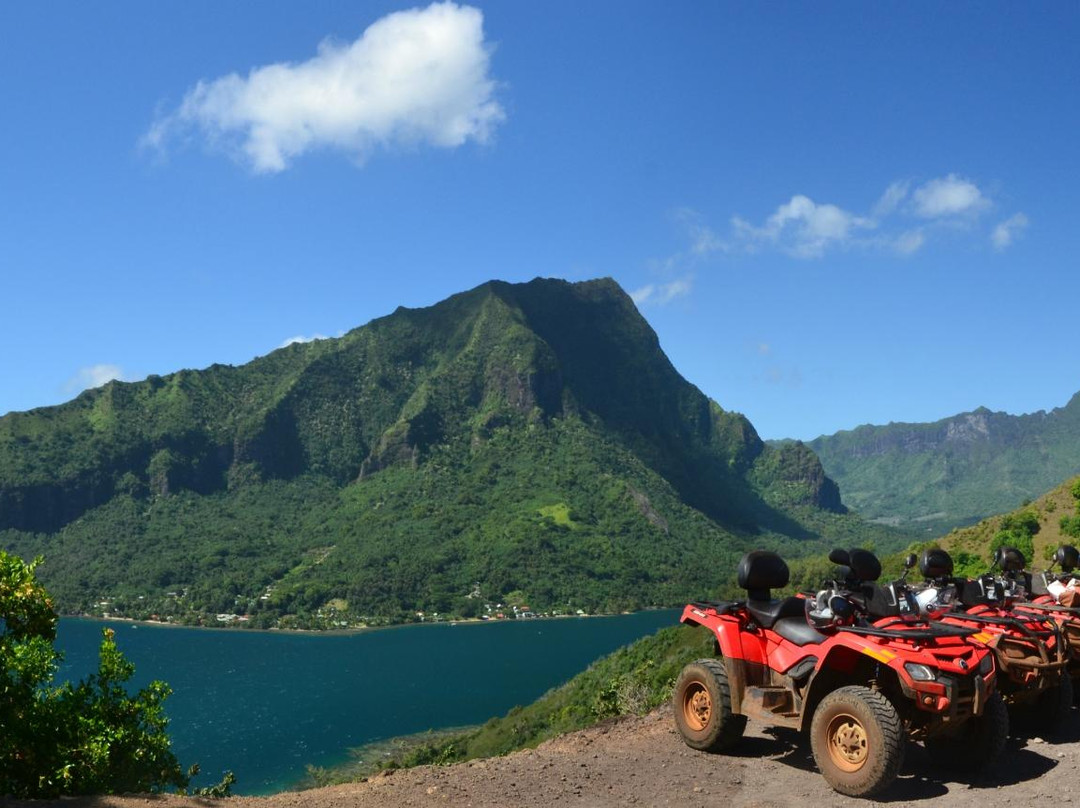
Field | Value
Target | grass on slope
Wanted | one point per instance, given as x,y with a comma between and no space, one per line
631,681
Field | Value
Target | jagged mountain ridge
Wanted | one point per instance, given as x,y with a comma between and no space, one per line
455,402
955,471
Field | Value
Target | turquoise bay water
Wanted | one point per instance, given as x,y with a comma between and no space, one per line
265,704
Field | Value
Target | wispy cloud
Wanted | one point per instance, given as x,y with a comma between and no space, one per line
902,220
414,77
948,196
909,241
803,228
703,239
1008,231
660,294
782,376
891,199
93,376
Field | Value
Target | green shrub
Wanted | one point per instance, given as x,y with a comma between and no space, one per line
86,738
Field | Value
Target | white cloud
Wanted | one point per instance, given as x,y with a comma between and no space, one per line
804,228
703,239
93,376
783,376
909,242
1008,231
302,339
891,199
662,293
948,196
414,77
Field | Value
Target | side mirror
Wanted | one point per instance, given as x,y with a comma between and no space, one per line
910,561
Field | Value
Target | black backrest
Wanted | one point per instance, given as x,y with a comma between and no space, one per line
935,563
1067,557
864,565
760,571
1009,559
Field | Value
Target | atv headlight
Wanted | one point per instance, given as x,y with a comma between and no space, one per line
920,673
986,664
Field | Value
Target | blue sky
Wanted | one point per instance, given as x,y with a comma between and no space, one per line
832,214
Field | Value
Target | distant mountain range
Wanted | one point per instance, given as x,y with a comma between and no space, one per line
514,445
953,472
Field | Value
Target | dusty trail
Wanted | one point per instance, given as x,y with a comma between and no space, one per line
642,761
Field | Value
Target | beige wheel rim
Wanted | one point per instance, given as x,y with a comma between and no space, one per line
697,706
847,742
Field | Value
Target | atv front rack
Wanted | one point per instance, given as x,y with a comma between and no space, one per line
932,631
1012,622
1047,607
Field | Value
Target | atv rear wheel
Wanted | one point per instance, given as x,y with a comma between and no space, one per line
858,740
977,743
702,703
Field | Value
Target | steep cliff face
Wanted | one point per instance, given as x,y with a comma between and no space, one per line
511,432
383,395
954,471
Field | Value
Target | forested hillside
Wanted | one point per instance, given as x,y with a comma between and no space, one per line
516,445
933,477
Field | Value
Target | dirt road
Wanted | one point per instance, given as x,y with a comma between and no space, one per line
642,761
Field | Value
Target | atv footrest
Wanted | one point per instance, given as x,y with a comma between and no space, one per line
774,705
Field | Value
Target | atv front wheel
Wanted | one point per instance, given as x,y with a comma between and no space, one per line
702,702
1055,705
858,740
975,746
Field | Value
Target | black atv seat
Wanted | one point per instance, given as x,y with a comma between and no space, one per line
880,603
767,612
1037,585
798,631
974,592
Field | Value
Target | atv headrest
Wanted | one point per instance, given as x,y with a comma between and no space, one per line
864,565
935,563
1067,557
760,571
1009,559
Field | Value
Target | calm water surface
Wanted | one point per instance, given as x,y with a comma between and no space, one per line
266,704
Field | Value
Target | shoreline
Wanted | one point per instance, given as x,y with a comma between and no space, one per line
345,632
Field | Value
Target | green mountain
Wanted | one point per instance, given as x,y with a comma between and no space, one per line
955,471
515,444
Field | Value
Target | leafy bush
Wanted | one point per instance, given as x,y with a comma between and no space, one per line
1070,525
86,738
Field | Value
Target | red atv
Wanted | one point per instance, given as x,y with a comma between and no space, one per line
1043,602
818,664
1029,649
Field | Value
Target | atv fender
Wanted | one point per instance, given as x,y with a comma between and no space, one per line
721,622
